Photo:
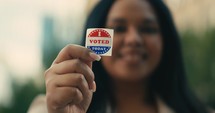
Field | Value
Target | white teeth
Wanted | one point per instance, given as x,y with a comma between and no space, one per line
132,58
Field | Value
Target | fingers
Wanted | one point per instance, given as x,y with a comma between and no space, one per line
62,96
76,52
72,80
67,89
73,66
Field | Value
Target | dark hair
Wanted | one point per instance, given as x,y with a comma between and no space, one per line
169,79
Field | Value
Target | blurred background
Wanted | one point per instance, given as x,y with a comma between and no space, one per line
32,32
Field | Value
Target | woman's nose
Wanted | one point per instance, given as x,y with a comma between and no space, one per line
132,37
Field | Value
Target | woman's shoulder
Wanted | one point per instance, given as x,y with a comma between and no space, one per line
38,105
211,110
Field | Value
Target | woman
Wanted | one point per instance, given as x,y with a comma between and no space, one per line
145,73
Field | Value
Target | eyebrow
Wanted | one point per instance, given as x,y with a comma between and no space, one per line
145,21
149,21
119,20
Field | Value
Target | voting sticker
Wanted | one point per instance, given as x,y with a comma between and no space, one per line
100,40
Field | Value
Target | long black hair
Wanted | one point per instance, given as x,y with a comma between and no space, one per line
169,79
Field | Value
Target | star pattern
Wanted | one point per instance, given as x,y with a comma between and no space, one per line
99,49
97,30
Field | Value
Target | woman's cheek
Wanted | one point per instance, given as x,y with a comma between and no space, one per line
117,42
154,48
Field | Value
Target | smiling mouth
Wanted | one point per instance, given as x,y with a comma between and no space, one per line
133,57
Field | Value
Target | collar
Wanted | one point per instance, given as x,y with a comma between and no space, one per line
162,107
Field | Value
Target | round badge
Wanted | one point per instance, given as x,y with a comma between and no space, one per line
99,41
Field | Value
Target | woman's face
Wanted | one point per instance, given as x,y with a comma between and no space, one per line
137,43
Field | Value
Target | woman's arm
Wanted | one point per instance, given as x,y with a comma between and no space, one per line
38,105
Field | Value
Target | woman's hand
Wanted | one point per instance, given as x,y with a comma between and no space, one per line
70,80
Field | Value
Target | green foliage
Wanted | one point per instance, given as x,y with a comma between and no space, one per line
22,97
199,58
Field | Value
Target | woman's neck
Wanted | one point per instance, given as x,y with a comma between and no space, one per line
132,96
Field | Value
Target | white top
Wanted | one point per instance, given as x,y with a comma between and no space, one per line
39,106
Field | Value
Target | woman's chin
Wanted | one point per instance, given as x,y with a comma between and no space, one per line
129,75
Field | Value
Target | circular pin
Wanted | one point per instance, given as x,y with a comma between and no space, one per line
99,41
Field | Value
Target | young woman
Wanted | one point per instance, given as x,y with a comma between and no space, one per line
145,73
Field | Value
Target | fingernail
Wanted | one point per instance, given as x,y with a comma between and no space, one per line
93,87
95,56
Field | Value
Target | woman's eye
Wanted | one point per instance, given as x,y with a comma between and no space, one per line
148,30
120,29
